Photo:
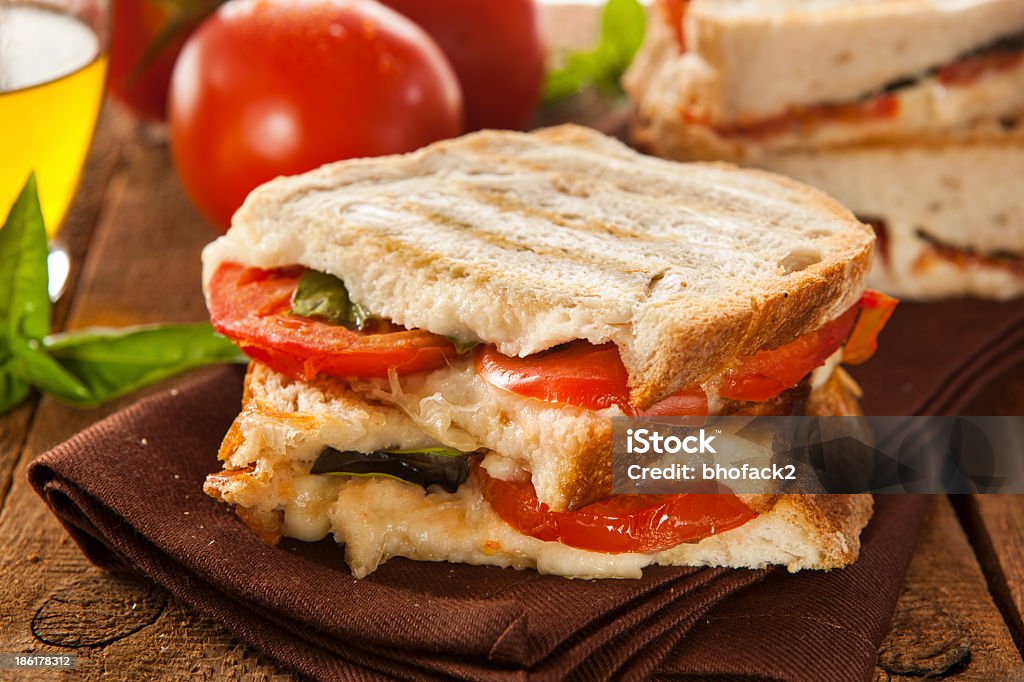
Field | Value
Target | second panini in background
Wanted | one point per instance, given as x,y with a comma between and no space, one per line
909,114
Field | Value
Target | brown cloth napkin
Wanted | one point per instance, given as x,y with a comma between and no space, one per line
129,491
934,357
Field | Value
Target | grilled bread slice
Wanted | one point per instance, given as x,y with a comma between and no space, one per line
674,107
528,241
284,424
756,59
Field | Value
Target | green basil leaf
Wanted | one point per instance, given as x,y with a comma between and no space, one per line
623,23
577,72
39,368
24,300
444,467
361,316
85,367
13,388
321,295
324,296
113,362
622,29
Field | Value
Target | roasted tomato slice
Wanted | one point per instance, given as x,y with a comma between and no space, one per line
971,69
621,523
766,374
875,310
880,107
251,307
581,374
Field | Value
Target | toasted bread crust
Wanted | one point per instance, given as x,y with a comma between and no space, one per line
531,240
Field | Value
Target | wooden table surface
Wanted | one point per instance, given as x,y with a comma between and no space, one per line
135,242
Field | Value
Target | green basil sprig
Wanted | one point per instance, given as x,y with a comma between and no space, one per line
84,367
445,467
623,23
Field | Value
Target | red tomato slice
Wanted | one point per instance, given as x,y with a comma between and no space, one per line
621,523
806,118
580,374
766,374
594,377
971,69
251,307
875,310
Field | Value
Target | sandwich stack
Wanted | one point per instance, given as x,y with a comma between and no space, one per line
440,341
909,112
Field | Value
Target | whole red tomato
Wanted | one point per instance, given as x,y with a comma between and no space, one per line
496,50
277,87
147,37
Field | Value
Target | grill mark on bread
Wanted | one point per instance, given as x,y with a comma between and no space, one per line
581,249
552,255
512,203
509,202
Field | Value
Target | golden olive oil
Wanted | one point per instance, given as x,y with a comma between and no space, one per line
52,73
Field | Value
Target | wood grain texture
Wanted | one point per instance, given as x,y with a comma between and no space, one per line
96,611
995,525
945,605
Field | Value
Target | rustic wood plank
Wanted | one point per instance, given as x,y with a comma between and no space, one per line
995,525
944,598
142,266
13,432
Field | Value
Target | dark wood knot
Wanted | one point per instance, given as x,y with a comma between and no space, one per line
96,610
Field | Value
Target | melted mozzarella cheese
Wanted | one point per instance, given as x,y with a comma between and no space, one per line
381,518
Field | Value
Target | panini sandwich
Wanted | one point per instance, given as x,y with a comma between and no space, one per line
909,112
440,341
